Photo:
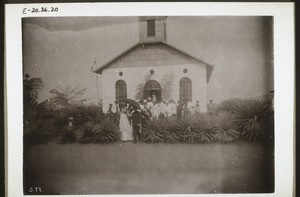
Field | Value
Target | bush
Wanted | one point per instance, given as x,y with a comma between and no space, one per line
40,131
225,128
152,132
254,117
88,133
170,130
188,129
68,136
104,132
228,105
108,132
204,129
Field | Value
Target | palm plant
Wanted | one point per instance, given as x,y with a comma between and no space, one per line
68,136
253,118
88,133
188,129
225,128
93,114
204,127
152,131
228,105
108,132
170,130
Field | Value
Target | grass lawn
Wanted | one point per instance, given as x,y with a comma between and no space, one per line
126,168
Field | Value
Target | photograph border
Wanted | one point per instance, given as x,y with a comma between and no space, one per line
283,74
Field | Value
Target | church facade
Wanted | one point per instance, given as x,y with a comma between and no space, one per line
154,67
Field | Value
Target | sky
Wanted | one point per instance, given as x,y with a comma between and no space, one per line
62,50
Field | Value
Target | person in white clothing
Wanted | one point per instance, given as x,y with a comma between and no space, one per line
125,127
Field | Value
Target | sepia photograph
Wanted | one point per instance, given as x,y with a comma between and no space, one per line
148,103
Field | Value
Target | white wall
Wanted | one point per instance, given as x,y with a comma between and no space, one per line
135,75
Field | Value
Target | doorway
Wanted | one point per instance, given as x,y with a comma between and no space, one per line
152,89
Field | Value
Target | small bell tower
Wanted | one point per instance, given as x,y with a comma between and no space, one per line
152,29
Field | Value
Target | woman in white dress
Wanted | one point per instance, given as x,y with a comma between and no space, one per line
125,128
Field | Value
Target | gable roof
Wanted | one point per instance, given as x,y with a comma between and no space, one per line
209,67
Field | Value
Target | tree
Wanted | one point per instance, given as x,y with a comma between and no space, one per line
72,95
31,88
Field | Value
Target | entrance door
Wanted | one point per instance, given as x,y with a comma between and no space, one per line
151,88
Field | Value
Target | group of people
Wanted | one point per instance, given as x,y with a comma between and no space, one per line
131,118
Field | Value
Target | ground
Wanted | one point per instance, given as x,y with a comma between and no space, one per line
126,168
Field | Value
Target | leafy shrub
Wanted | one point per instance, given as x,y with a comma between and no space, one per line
104,132
68,136
39,132
152,131
188,129
93,113
253,118
88,133
170,131
108,132
225,127
204,129
62,117
228,105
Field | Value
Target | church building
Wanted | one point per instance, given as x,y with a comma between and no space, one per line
154,67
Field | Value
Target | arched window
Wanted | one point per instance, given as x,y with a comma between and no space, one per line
185,89
121,90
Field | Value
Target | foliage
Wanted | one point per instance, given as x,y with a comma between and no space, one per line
188,129
204,129
152,131
108,132
68,135
139,95
62,117
228,105
225,127
93,113
88,133
254,117
31,88
167,83
39,131
72,95
170,130
104,132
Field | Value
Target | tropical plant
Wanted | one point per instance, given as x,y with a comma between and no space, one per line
39,131
93,113
88,133
152,131
203,127
228,105
139,95
225,128
188,129
72,95
170,130
108,132
31,88
68,135
253,118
